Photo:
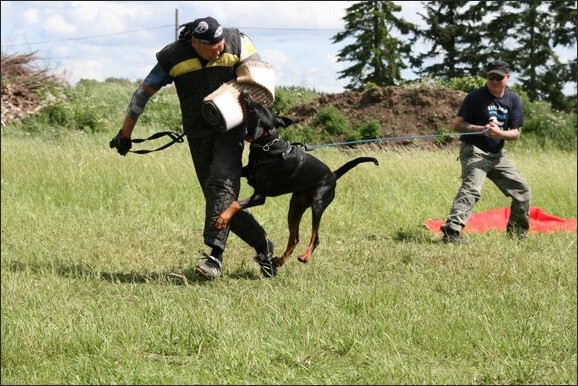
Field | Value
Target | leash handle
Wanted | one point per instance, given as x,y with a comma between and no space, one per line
174,136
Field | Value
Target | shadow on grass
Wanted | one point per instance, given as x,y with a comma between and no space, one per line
87,272
419,235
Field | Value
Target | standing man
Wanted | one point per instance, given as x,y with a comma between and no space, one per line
497,113
204,57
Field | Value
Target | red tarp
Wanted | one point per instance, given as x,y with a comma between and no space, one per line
540,222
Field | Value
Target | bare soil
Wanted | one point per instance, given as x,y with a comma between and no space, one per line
401,112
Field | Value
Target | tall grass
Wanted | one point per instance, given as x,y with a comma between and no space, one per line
98,253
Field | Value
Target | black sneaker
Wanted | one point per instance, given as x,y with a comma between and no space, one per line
210,269
451,236
265,261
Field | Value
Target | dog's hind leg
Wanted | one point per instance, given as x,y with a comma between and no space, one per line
314,241
321,201
297,206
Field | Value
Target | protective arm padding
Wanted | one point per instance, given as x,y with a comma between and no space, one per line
137,103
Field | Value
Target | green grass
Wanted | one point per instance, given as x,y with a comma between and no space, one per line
98,253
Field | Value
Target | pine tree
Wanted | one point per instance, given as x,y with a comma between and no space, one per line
377,56
525,34
454,33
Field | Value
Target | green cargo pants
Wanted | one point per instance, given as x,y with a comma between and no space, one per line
476,166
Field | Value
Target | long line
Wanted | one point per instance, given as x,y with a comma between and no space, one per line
363,141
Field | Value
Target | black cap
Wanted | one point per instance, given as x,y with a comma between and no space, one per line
498,67
207,30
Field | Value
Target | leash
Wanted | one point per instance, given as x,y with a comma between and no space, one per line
174,136
179,138
363,141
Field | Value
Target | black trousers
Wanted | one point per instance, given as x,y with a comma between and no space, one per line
217,159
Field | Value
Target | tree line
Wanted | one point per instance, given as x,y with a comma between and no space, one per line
461,37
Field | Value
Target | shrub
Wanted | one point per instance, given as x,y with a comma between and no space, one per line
287,97
366,130
332,120
548,128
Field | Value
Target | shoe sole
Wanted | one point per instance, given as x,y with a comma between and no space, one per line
204,274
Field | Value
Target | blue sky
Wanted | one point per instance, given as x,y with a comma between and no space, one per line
102,39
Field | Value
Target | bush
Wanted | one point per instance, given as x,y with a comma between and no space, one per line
548,128
365,131
287,97
333,121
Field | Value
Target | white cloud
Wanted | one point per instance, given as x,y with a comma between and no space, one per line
30,17
55,24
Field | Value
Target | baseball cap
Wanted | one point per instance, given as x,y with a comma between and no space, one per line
207,30
498,67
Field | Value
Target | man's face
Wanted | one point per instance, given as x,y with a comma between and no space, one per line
208,51
497,82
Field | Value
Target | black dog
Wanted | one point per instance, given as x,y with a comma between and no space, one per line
277,167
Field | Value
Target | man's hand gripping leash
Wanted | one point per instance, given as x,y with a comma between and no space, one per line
121,143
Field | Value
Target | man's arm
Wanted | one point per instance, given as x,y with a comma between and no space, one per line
491,129
155,80
461,126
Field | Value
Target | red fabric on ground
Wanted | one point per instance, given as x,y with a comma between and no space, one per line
540,222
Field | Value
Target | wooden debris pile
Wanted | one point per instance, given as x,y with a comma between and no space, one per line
22,82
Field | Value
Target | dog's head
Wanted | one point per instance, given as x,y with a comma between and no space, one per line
258,119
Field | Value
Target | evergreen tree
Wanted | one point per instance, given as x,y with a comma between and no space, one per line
525,34
377,56
564,18
465,35
454,33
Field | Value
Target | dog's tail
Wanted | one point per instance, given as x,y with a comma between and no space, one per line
353,163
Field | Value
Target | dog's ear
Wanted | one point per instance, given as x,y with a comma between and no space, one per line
283,121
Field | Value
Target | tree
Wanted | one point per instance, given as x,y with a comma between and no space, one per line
377,56
525,34
465,35
453,30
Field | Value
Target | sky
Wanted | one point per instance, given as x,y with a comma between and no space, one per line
119,39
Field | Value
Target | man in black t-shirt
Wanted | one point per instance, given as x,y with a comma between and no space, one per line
497,114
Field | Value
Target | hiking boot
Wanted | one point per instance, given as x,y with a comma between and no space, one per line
265,261
210,269
516,233
451,236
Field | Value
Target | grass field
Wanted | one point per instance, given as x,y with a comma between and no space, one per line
98,253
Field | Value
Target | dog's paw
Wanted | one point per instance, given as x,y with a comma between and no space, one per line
277,261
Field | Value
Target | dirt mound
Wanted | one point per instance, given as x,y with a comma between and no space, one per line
401,112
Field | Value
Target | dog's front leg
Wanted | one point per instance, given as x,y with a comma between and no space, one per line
226,216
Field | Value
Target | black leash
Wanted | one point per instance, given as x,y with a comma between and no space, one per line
174,136
179,138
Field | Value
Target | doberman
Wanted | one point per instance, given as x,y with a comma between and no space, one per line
277,167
